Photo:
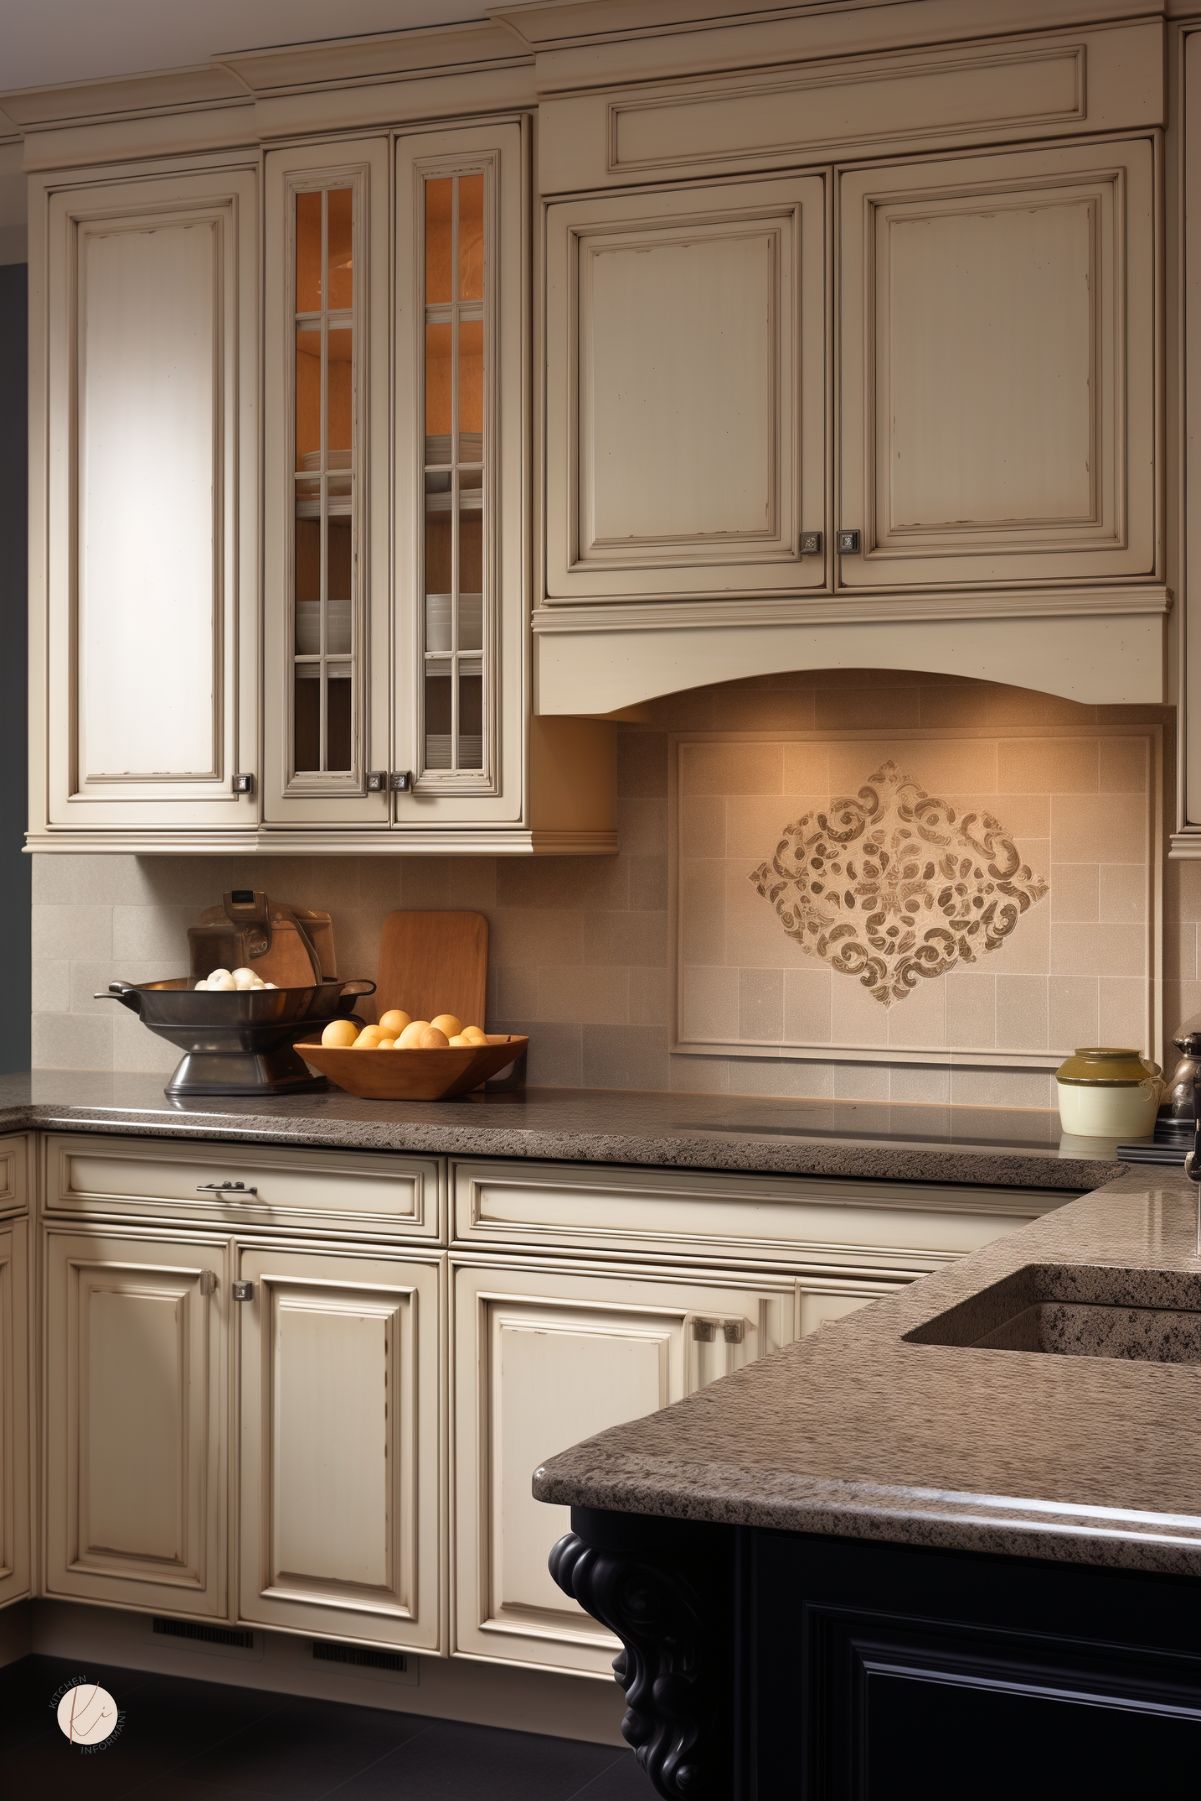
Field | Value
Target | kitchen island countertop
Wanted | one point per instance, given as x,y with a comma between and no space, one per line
853,1432
1019,1148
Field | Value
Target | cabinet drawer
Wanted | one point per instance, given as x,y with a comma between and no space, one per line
314,1190
783,1220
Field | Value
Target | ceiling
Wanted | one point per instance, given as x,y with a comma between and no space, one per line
44,42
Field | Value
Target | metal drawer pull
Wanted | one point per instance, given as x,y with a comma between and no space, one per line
850,543
704,1330
243,1291
208,1281
224,1188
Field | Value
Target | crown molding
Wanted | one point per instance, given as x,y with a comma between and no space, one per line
584,45
387,56
562,24
159,91
571,44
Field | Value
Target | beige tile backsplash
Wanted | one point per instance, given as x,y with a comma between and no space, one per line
582,949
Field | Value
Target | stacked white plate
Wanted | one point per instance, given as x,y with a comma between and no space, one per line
337,629
438,610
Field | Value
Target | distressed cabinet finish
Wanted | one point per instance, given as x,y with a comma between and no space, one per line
290,1387
136,1420
998,368
148,440
326,492
14,1410
340,1444
546,1355
686,391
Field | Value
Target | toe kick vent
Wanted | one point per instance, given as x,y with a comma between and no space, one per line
234,1638
363,1657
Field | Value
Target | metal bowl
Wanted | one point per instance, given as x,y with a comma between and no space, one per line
239,1041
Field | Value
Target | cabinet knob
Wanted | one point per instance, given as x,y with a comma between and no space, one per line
401,781
850,543
208,1281
242,784
377,781
243,1291
224,1188
811,544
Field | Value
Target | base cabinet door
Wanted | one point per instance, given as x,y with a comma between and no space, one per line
136,1420
998,368
340,1468
14,1410
544,1356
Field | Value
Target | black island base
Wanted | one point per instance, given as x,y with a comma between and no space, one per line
775,1666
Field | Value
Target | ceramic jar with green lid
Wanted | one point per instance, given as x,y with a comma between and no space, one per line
1106,1092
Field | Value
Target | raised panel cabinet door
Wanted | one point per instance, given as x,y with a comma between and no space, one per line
543,1357
686,391
327,591
14,1410
997,400
136,1421
462,384
151,331
340,1469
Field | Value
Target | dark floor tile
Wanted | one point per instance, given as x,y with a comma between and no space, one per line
46,1764
28,1688
622,1781
450,1762
301,1749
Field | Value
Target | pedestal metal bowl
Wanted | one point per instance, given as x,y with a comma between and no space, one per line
237,1042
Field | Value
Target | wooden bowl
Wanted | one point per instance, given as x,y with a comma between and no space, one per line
413,1075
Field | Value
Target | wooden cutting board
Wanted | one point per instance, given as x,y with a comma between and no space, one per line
434,963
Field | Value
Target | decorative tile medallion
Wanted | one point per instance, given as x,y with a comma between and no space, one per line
894,887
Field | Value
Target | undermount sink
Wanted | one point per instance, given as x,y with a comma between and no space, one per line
1078,1310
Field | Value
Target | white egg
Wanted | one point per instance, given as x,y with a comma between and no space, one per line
215,976
269,984
200,985
224,984
244,978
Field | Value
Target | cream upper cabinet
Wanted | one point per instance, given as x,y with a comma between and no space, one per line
996,404
545,1356
340,1461
135,1420
686,391
462,369
14,1410
326,489
145,343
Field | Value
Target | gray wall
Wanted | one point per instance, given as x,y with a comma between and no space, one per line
14,867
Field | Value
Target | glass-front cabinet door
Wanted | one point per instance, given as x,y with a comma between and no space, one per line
326,711
460,446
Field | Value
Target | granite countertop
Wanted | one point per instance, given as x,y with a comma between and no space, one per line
854,1433
1018,1149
